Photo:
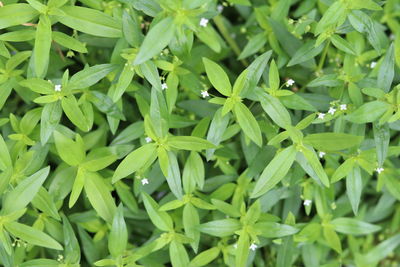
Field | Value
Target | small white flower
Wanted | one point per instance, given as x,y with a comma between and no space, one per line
392,37
164,86
307,202
372,65
343,107
145,181
321,116
220,8
57,87
203,22
235,245
321,154
204,94
148,139
331,110
379,170
289,82
253,247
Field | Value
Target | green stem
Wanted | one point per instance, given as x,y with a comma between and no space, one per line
324,53
225,33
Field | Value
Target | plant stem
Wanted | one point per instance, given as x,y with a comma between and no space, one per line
225,33
324,53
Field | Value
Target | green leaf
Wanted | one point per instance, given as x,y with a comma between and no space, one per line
42,45
275,230
368,112
367,4
332,238
72,249
191,221
218,126
332,16
188,143
273,76
386,70
118,238
313,160
160,219
90,76
159,36
44,202
352,226
99,196
135,160
193,173
343,170
382,140
342,44
74,113
24,192
69,151
248,123
68,42
306,52
255,70
210,37
364,24
106,105
220,228
90,21
32,235
77,187
354,188
274,172
253,46
124,80
381,251
217,77
174,176
275,110
333,141
205,257
51,115
98,159
5,159
16,14
178,254
242,250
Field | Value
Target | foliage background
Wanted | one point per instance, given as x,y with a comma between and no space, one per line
199,133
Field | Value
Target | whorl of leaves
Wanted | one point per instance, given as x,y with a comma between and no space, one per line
193,133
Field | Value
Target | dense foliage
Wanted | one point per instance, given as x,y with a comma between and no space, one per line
199,133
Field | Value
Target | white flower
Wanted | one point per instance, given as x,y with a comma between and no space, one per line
148,139
372,65
307,202
379,170
235,245
164,86
321,116
204,94
332,110
145,181
343,107
57,87
253,247
203,22
289,82
321,154
220,8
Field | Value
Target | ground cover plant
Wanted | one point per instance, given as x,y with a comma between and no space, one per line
199,133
